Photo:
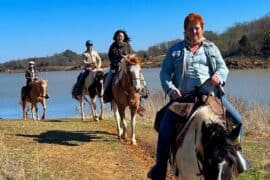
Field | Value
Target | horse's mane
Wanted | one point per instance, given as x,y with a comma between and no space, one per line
130,60
133,59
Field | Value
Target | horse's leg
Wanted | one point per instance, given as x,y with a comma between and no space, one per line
93,108
123,122
24,109
32,111
44,108
36,109
101,108
82,106
117,118
133,123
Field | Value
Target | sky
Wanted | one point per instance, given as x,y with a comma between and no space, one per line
38,28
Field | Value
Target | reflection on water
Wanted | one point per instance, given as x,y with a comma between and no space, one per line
251,86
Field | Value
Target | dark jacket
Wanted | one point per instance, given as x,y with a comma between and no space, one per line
30,75
116,51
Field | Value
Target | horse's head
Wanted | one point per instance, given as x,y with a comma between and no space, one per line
43,87
219,154
133,69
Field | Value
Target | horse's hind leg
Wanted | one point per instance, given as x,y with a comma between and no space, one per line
36,109
133,123
32,111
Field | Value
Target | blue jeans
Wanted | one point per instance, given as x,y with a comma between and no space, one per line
166,137
235,115
108,80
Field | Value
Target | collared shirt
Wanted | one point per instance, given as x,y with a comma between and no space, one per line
175,66
91,57
196,69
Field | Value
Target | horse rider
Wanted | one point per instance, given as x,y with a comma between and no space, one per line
91,60
31,75
117,51
187,65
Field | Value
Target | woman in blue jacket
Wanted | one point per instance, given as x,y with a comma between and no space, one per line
188,64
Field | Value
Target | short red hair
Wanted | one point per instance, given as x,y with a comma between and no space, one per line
193,18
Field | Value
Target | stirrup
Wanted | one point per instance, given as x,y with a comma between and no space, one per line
243,162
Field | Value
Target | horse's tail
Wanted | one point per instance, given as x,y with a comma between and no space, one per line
74,92
23,93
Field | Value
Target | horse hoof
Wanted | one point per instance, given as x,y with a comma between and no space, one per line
124,136
134,143
96,118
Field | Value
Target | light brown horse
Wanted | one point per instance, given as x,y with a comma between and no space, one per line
126,93
36,94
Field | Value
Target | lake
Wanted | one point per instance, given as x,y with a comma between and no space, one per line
251,86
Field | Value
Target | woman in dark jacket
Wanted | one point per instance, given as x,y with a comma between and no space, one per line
119,48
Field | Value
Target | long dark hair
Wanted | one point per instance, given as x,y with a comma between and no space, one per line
127,38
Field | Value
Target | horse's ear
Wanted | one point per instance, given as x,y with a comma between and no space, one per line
235,132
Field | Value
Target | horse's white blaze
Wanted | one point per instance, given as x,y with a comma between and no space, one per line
136,81
220,166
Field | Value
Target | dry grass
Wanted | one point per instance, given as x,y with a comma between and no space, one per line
74,149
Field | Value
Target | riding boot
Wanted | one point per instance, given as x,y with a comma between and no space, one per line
165,138
108,87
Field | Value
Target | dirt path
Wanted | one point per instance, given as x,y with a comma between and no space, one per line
72,149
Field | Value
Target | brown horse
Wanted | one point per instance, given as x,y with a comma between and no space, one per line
36,94
126,93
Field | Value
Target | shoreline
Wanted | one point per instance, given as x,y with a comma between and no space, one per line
233,63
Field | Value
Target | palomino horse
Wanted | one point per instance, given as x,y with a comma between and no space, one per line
126,93
207,151
36,94
93,86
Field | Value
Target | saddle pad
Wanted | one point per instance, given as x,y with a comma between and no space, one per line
214,103
182,109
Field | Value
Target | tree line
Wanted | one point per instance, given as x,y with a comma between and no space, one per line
242,39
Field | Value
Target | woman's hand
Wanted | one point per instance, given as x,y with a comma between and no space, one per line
175,95
215,80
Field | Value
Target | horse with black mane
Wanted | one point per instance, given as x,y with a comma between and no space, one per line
93,86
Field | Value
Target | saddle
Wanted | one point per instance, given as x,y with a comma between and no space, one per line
184,107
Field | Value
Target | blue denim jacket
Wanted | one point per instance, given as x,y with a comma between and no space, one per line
174,64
